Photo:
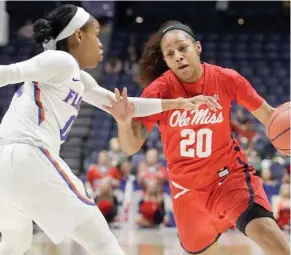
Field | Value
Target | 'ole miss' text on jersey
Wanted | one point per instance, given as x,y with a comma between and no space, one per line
198,143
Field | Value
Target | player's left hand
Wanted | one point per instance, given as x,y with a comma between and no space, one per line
185,104
121,109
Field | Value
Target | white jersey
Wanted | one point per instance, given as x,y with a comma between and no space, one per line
44,108
43,111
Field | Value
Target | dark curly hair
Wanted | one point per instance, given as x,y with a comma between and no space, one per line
151,64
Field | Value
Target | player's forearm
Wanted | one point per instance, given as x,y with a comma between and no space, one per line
129,142
264,113
8,75
98,97
171,104
149,106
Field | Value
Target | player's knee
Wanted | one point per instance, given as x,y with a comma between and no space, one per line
15,246
255,211
16,240
107,245
95,236
23,245
23,239
111,248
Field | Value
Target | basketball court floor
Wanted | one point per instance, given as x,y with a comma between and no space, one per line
146,242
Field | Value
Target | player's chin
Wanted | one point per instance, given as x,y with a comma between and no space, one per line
96,61
99,58
185,75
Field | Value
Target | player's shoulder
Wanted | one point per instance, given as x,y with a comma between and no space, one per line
159,82
223,74
58,58
59,54
86,77
159,85
223,71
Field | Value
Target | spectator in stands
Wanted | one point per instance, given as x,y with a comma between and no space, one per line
113,65
96,172
281,207
267,177
288,167
131,51
131,66
254,159
115,153
151,207
120,172
286,178
26,30
278,166
106,201
151,169
132,40
270,185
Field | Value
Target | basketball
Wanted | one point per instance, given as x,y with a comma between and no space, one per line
278,128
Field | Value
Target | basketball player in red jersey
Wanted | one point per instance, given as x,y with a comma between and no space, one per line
212,185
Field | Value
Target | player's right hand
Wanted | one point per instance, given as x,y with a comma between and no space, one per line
197,101
122,110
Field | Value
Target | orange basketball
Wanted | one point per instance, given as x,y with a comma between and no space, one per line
278,128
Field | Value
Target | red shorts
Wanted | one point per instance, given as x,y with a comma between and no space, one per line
203,215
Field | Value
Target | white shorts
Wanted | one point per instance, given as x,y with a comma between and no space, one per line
42,186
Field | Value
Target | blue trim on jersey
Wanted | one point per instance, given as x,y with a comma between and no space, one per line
66,178
40,115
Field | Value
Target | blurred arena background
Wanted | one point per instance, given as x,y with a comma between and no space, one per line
250,37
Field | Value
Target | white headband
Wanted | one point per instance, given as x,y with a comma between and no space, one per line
79,20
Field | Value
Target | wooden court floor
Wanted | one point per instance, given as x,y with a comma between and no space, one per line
146,242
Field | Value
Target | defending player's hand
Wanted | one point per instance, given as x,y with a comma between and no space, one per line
185,104
208,100
121,110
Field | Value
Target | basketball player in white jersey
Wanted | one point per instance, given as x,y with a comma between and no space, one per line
35,183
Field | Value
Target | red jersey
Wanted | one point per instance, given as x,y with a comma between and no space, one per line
198,143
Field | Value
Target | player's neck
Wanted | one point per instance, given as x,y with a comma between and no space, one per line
196,75
78,58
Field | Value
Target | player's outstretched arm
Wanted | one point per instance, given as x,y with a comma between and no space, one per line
50,66
240,90
106,100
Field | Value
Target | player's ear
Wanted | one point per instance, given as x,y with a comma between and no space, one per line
76,38
198,47
164,57
78,35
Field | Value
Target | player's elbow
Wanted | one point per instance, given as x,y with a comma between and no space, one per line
130,153
130,147
130,150
264,113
